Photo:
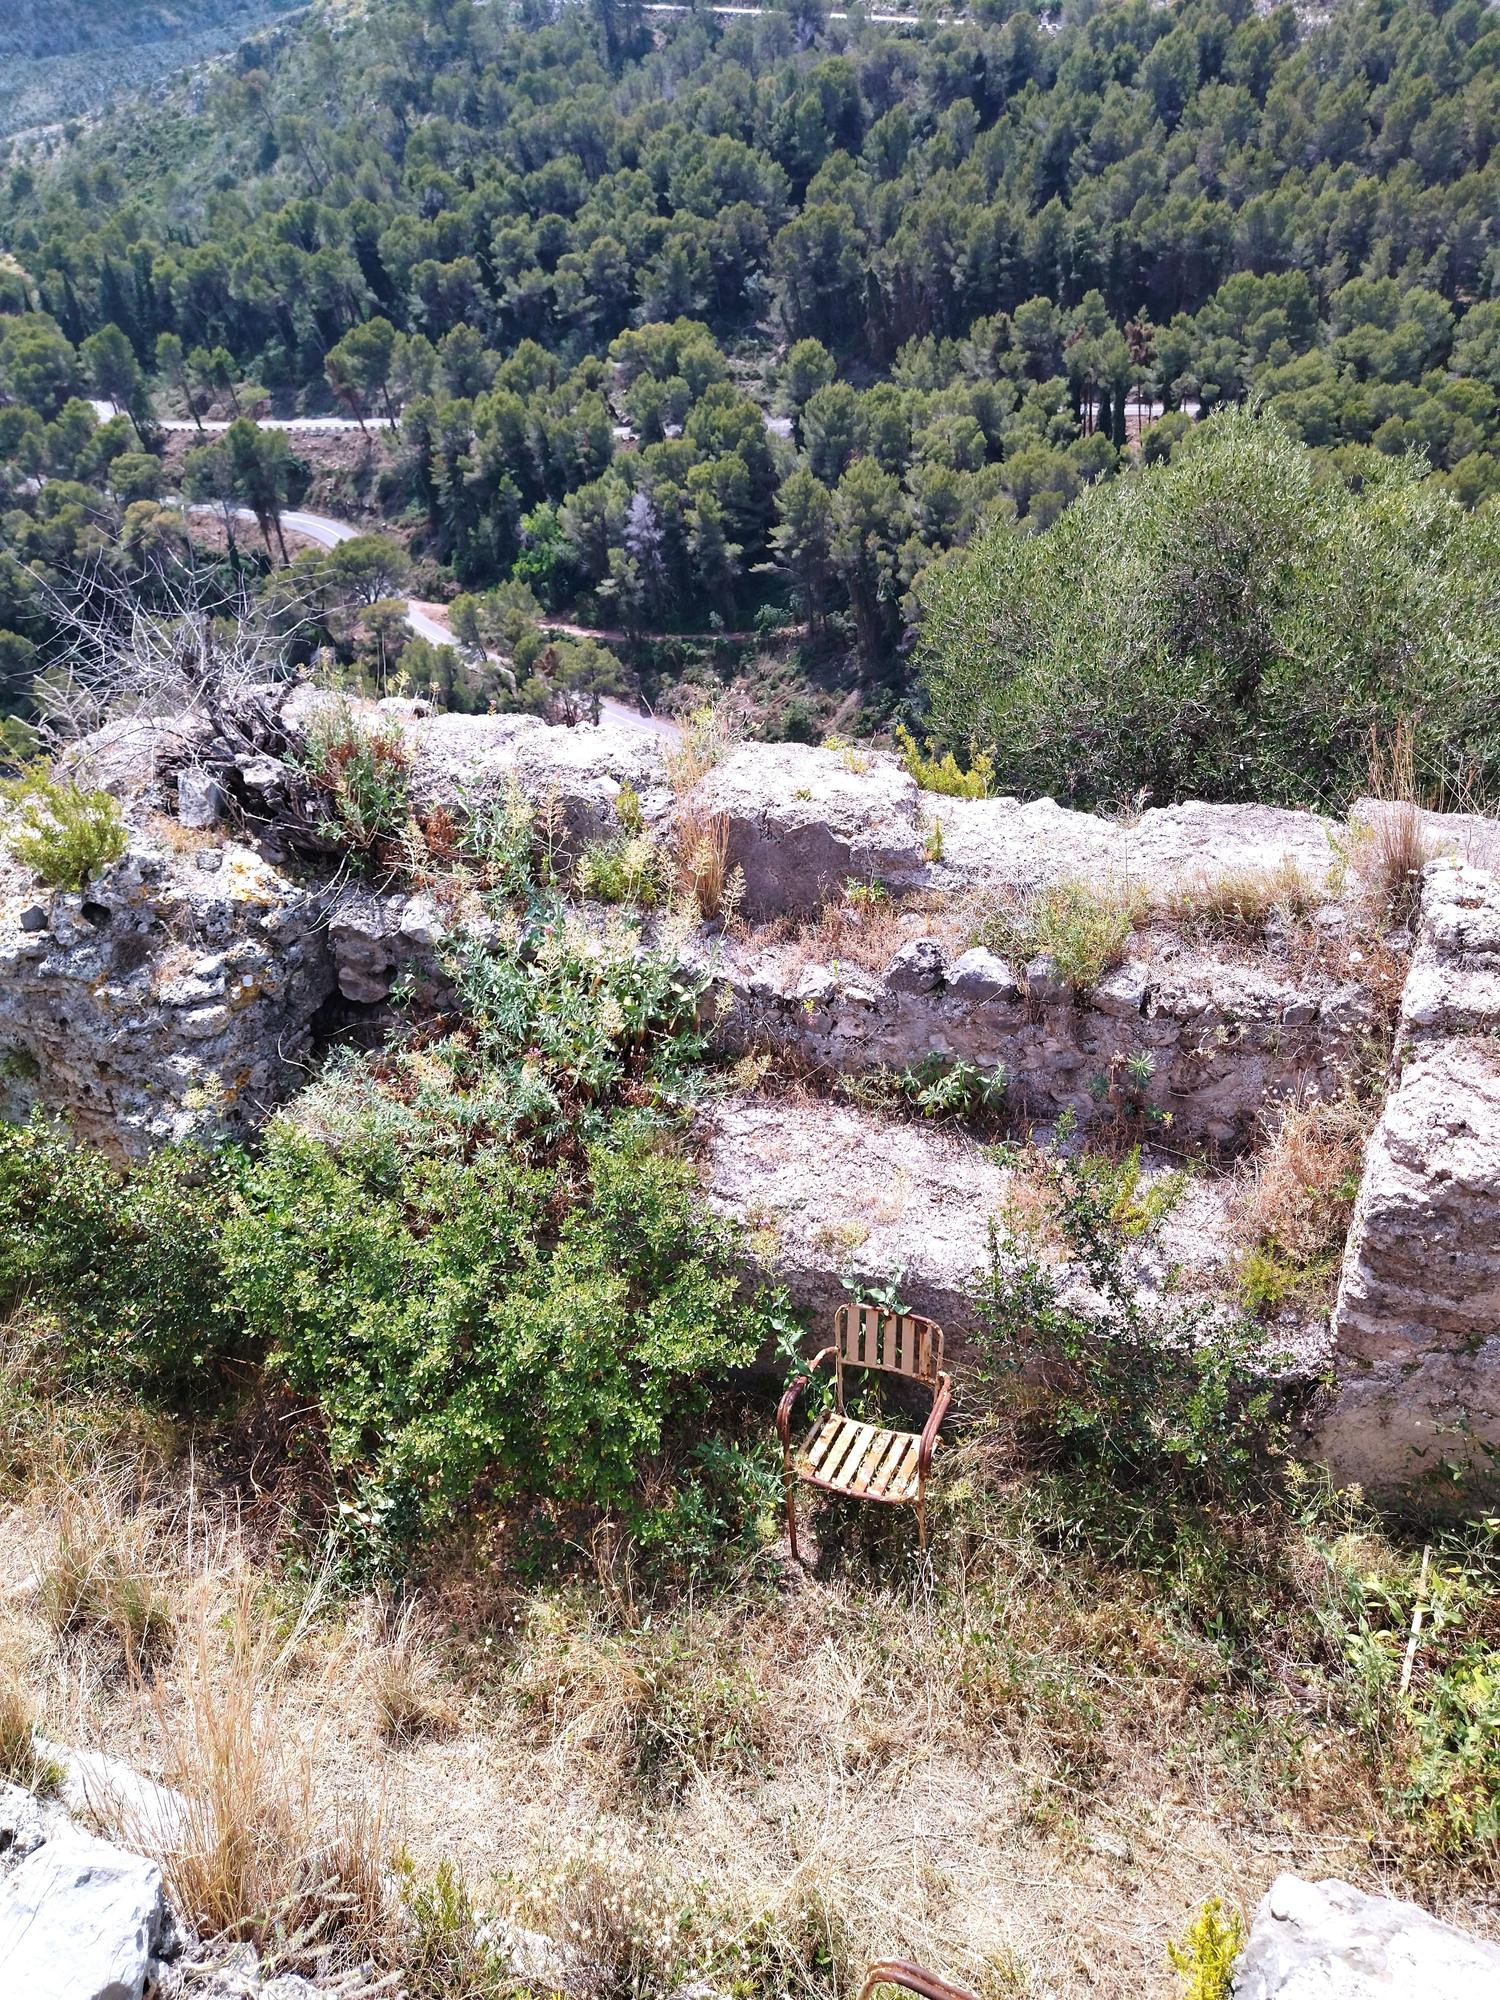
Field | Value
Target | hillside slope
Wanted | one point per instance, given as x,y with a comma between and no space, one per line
64,60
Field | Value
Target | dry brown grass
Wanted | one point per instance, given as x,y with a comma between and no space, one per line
103,1582
254,1855
708,735
1240,903
1299,1193
1391,845
21,1761
704,875
404,1678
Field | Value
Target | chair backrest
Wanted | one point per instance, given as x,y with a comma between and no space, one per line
874,1337
911,1979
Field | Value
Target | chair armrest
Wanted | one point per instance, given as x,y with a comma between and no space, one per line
784,1410
915,1979
940,1401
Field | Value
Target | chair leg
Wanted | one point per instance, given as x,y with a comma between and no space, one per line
791,1512
922,1519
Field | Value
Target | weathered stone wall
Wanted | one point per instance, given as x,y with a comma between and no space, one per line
1417,1325
1226,1040
174,997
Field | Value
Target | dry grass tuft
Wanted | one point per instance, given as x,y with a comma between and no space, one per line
708,735
102,1582
1240,903
1301,1190
703,863
1391,845
251,1856
21,1762
1295,1206
404,1680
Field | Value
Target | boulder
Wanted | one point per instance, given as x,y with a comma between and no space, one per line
1329,1941
803,822
79,1920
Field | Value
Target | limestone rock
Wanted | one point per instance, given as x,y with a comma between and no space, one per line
1003,843
916,968
173,997
1417,1322
803,822
1226,1041
1329,1941
824,1190
200,798
979,976
79,1920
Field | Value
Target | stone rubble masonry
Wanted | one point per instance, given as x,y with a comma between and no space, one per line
1416,1327
173,998
1226,1041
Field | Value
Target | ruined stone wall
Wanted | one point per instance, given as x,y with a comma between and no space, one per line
181,995
173,998
1416,1329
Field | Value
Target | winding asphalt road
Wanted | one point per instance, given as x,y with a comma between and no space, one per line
328,533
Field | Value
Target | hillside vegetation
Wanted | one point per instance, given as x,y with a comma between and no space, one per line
696,323
73,57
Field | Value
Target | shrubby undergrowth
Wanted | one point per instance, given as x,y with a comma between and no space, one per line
480,1257
1232,624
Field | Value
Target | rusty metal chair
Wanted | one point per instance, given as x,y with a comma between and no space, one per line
913,1978
842,1455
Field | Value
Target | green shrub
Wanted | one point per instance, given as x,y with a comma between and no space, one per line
363,773
1227,625
936,772
1082,929
66,835
456,1331
129,1260
1156,1391
627,869
1206,1955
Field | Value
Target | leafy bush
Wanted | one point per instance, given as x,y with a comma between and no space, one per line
130,1260
65,834
937,1087
936,772
363,773
627,869
1082,929
1230,624
1146,1388
479,1320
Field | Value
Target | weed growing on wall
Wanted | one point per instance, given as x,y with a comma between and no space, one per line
61,832
1141,1385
